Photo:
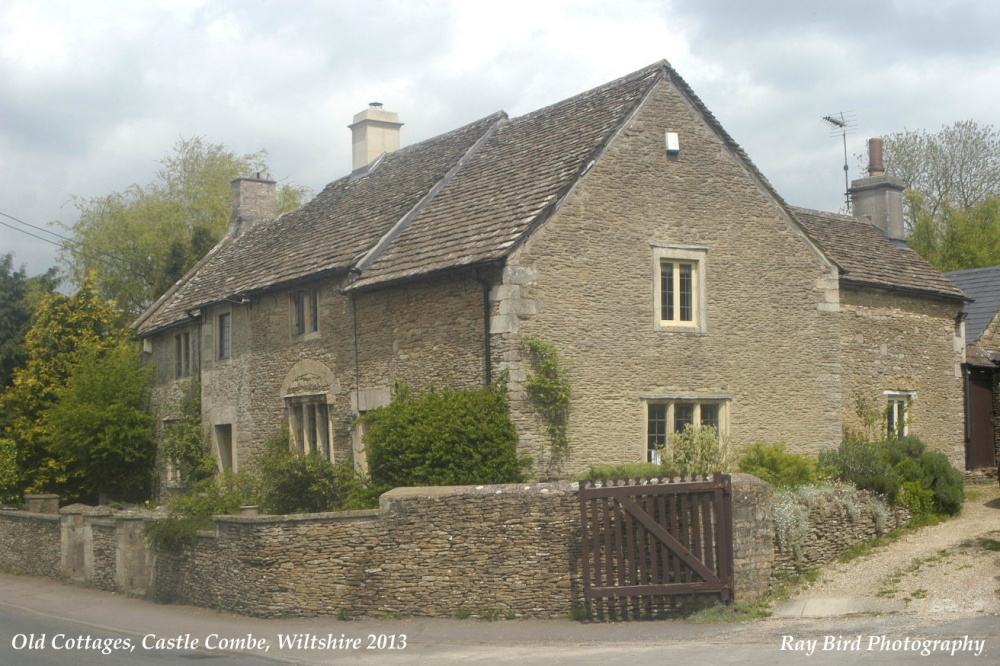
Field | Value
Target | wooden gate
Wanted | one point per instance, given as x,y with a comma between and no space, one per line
649,547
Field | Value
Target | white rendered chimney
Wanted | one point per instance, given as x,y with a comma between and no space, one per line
373,132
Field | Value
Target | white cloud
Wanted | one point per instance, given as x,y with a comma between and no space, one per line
93,94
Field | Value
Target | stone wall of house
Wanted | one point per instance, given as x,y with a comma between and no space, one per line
426,334
585,281
894,342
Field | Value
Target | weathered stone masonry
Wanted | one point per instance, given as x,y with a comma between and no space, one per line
426,552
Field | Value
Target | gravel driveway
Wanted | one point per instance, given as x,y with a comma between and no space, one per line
947,571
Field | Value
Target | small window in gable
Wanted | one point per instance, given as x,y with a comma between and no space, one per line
679,288
305,311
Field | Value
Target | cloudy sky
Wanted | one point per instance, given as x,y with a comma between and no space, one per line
93,94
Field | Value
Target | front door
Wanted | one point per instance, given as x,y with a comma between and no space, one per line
981,448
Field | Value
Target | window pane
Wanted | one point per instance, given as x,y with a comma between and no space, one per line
298,423
666,291
314,310
685,289
299,306
710,416
683,415
186,355
324,429
656,430
224,336
311,427
178,362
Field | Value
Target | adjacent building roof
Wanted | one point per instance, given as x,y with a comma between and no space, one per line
867,256
468,197
982,284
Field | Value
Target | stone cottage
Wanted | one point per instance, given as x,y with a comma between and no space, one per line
623,225
982,367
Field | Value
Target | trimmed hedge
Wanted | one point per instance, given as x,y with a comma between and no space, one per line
443,438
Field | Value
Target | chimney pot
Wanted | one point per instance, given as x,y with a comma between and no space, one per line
876,165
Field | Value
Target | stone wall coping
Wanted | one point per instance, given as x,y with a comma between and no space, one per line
327,516
77,509
28,515
41,496
434,492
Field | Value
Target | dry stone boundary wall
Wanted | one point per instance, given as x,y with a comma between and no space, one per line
496,551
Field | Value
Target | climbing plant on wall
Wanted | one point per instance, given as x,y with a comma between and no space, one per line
549,389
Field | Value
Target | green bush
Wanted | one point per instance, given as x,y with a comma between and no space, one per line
695,450
918,499
293,483
776,466
219,495
886,467
443,438
865,465
944,480
625,471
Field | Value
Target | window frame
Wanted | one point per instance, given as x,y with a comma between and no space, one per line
669,404
897,410
309,425
224,336
182,355
678,257
304,312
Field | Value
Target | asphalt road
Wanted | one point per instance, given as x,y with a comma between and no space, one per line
67,614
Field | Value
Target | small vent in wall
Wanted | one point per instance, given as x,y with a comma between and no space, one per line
673,144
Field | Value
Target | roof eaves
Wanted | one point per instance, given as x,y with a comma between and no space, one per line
169,293
915,291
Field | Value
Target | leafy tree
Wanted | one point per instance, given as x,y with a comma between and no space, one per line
143,239
963,238
953,181
65,328
956,168
100,427
19,297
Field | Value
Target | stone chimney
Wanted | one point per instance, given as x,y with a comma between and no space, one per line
254,200
879,198
373,132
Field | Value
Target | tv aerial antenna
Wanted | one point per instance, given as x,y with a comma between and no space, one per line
841,124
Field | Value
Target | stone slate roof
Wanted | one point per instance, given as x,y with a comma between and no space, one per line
468,197
325,236
511,183
867,256
982,284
